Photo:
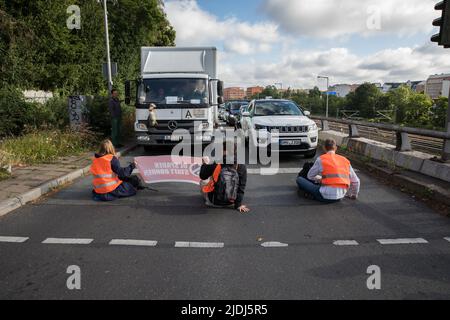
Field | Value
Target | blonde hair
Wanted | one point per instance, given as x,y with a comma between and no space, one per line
106,147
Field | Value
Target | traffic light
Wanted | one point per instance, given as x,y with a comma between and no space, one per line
443,37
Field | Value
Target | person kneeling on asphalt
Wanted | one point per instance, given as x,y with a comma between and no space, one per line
333,175
111,181
223,185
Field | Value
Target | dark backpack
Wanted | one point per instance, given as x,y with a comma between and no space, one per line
226,188
306,167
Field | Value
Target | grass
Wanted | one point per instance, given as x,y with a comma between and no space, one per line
44,146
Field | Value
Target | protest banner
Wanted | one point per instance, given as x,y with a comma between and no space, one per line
169,169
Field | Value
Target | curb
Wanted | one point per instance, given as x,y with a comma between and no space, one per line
435,195
9,205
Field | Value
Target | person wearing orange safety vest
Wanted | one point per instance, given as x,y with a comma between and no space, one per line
331,178
108,176
210,173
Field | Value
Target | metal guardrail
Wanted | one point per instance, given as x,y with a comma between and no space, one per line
403,142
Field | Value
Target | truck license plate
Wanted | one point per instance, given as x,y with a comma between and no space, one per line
173,138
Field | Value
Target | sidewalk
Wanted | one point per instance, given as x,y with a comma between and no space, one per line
29,183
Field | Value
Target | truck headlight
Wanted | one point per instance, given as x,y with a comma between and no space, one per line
142,126
312,127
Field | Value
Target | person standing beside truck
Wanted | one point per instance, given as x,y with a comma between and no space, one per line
115,110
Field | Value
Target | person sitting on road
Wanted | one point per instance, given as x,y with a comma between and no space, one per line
334,177
111,181
224,185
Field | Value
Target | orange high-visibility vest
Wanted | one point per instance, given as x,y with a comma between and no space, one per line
212,182
105,180
336,171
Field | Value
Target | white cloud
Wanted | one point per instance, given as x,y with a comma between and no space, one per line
195,26
337,18
300,69
241,43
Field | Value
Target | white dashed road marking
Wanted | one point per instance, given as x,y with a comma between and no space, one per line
346,243
67,241
274,245
402,241
180,244
448,239
129,242
13,239
272,171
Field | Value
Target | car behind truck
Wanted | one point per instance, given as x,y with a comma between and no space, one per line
182,83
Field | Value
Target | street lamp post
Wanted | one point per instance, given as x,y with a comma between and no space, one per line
328,86
108,55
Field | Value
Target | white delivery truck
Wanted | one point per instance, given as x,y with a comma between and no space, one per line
182,83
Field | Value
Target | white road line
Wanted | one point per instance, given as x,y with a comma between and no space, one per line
129,242
13,239
272,171
274,244
402,241
447,239
67,241
180,244
346,243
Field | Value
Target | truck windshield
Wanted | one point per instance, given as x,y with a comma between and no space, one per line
173,91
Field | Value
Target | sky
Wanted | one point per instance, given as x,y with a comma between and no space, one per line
263,42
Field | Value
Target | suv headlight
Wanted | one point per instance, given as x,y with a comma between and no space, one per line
312,127
260,127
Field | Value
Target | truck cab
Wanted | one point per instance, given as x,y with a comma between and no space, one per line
182,83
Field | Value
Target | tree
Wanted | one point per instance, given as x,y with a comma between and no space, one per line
365,100
37,50
439,113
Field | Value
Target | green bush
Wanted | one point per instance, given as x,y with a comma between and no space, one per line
19,116
99,118
15,112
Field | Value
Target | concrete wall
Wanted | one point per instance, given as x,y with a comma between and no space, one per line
412,160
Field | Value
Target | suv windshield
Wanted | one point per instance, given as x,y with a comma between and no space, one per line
277,108
237,106
172,91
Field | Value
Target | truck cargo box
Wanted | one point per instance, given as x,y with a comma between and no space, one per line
178,60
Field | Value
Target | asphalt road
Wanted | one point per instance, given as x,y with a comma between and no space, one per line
311,266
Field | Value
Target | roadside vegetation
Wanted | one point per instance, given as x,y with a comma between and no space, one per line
401,106
39,52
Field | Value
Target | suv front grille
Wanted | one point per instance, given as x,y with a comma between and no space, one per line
289,129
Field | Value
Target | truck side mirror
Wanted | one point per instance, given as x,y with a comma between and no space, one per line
220,88
127,92
220,100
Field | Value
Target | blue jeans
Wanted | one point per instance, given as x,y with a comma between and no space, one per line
313,189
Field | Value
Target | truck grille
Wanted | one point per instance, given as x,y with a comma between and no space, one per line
163,126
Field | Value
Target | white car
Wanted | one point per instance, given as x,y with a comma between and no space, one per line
283,122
